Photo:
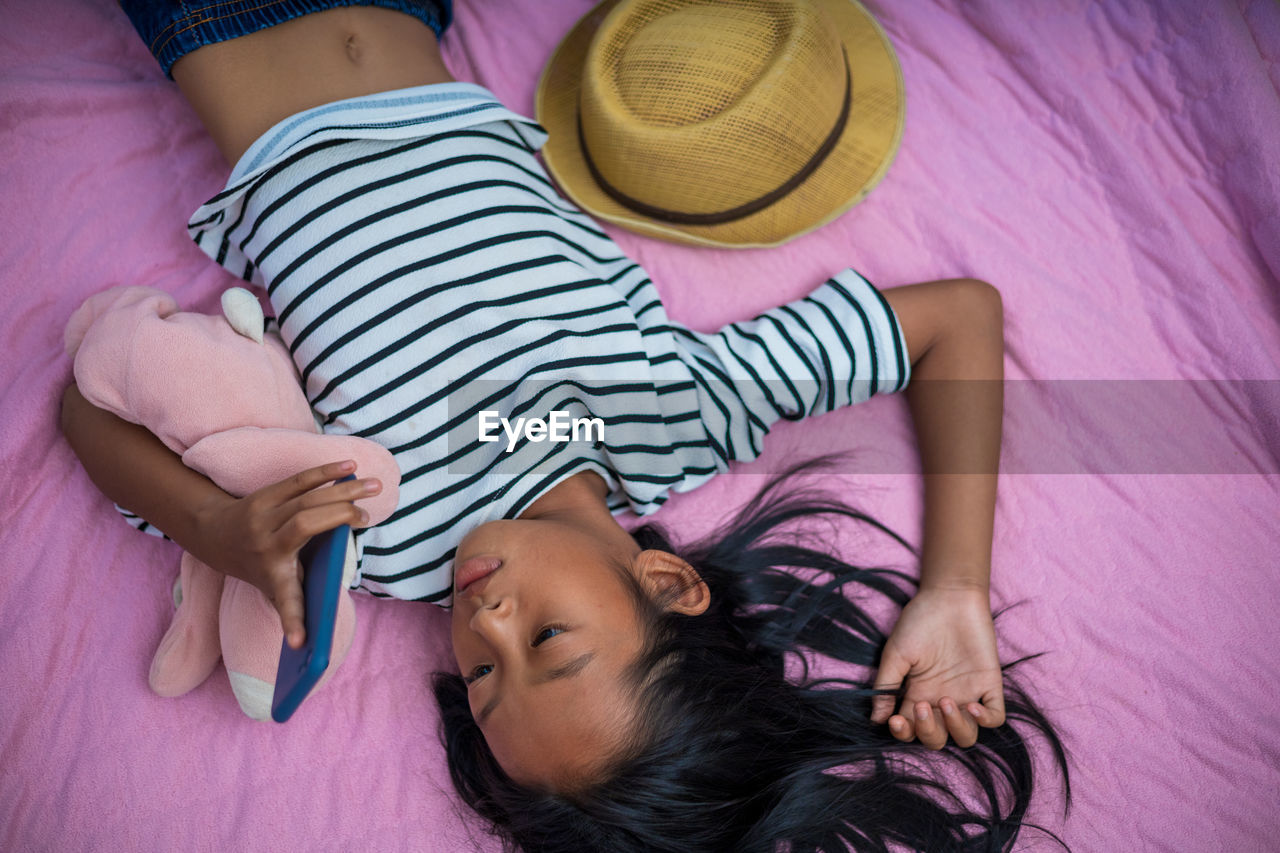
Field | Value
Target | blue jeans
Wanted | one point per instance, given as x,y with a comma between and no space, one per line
174,28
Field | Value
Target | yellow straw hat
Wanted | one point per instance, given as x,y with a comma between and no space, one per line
721,122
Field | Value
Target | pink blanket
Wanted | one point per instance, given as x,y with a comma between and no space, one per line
1113,167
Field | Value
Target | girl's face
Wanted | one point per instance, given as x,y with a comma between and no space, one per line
544,641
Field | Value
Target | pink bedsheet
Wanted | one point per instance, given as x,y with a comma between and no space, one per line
1114,167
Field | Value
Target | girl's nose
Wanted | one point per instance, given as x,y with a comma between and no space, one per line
497,603
492,616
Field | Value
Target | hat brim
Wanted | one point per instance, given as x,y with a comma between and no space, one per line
859,160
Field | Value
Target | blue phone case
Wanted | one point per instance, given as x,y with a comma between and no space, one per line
300,669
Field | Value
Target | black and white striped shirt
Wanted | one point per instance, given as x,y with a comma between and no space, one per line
424,270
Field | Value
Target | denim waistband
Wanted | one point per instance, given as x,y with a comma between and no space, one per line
172,29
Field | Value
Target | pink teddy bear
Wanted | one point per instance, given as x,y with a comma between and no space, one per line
228,399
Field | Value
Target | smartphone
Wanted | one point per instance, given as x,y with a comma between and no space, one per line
301,669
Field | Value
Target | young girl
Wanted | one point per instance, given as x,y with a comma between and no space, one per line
616,692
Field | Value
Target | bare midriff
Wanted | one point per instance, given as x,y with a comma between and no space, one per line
242,87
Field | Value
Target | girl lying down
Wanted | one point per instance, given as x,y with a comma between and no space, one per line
614,690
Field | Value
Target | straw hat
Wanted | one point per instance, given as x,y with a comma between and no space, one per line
721,122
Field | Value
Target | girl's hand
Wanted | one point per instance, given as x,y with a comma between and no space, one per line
257,538
945,646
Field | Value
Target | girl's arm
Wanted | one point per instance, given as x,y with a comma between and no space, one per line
944,642
255,538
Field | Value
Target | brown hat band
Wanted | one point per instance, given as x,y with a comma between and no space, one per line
681,218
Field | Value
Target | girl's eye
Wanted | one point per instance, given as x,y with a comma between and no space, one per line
547,633
541,637
479,672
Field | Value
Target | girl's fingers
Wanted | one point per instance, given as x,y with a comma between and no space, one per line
287,599
304,481
343,494
298,528
933,726
893,668
990,714
929,727
349,492
880,707
962,727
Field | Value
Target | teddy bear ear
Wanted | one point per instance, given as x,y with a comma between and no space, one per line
244,312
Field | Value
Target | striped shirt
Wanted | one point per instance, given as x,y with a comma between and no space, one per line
425,272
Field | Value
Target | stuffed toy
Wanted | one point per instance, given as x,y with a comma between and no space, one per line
226,396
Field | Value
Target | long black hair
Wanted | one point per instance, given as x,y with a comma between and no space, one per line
735,755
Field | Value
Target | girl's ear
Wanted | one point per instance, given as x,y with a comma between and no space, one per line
673,582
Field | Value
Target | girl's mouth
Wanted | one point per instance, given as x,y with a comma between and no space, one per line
473,569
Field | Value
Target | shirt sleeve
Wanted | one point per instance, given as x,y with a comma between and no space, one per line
842,344
139,523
